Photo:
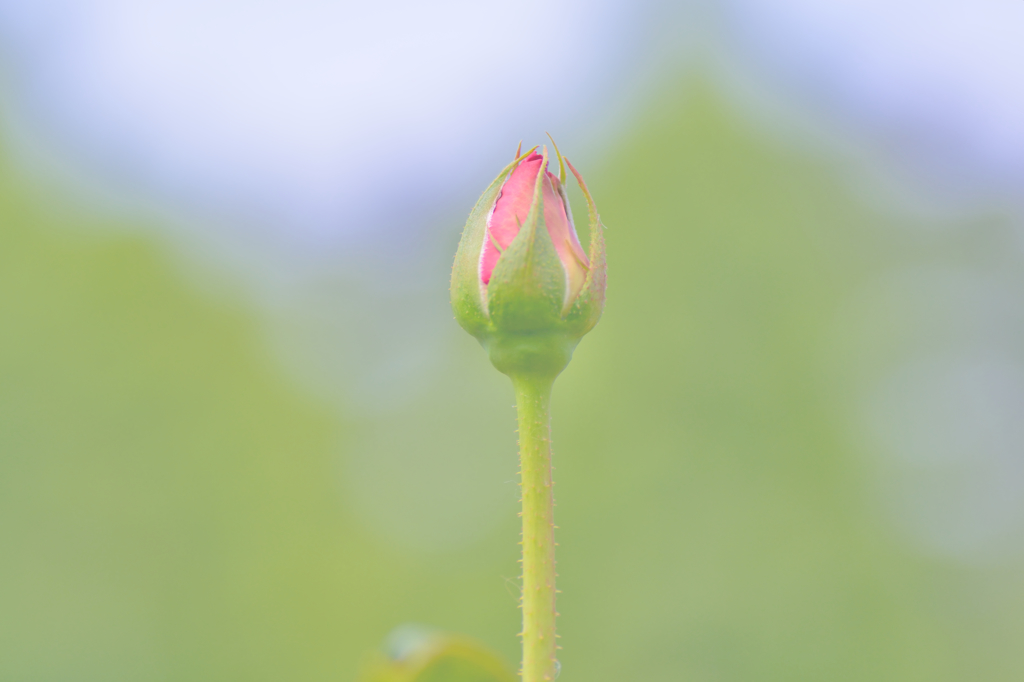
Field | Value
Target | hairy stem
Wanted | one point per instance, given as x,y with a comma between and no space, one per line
533,398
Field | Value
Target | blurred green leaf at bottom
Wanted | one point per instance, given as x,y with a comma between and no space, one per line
418,655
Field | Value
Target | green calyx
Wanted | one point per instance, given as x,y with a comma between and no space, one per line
522,316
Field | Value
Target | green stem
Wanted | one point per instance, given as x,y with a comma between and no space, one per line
533,399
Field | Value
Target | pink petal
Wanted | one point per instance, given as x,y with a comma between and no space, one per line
509,212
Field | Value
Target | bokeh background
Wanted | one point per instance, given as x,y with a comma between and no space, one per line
242,438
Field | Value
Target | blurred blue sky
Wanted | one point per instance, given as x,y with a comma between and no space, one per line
312,122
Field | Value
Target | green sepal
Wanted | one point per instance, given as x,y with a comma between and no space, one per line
467,295
527,286
587,308
561,161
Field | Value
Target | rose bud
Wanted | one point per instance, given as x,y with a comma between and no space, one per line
522,284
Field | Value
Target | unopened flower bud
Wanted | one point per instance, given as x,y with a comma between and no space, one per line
522,284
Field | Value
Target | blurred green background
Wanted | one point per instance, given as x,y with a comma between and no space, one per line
174,506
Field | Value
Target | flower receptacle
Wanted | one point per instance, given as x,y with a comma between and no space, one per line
541,356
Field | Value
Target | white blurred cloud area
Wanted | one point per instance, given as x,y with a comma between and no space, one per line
283,138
